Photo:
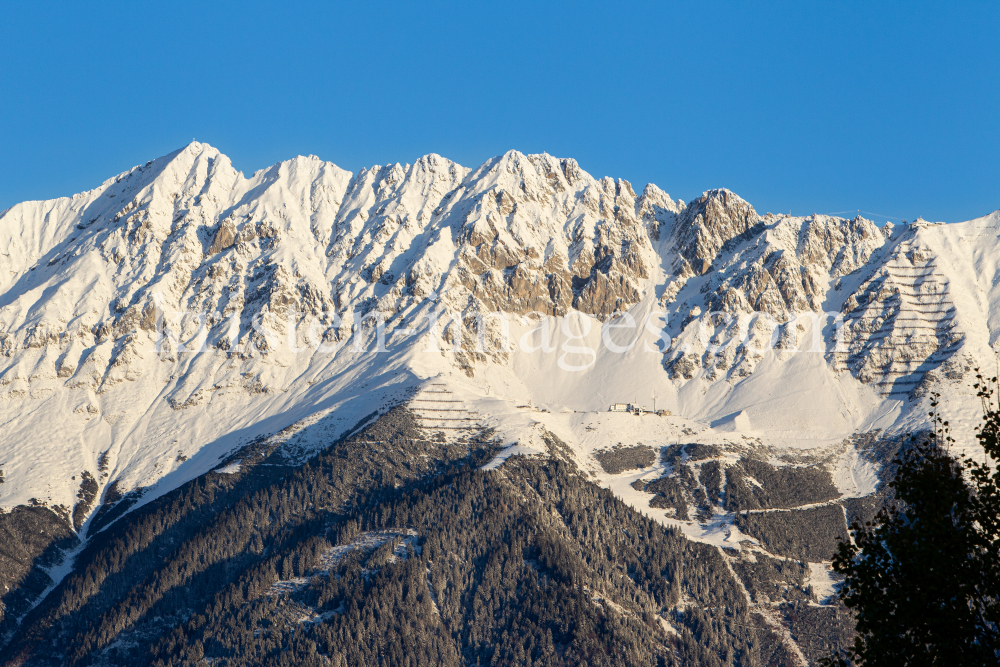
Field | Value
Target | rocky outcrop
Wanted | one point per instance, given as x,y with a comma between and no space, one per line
709,223
224,238
899,325
780,268
539,234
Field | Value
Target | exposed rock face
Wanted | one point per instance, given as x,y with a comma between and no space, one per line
712,220
225,236
538,234
780,267
789,265
900,323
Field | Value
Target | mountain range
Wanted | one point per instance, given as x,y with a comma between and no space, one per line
727,389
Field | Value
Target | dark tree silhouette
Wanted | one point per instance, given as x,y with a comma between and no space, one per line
922,577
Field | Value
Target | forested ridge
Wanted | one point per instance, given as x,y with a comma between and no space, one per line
390,548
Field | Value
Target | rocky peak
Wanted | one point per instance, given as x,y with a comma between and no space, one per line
708,223
837,246
656,209
536,233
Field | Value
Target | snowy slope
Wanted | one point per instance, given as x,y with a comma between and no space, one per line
151,326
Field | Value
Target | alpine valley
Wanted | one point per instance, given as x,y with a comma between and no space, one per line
312,417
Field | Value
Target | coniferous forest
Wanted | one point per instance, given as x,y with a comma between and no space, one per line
389,548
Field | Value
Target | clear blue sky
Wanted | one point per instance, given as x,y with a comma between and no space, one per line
801,107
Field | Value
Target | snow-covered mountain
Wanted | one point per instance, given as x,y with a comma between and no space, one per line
182,340
153,325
